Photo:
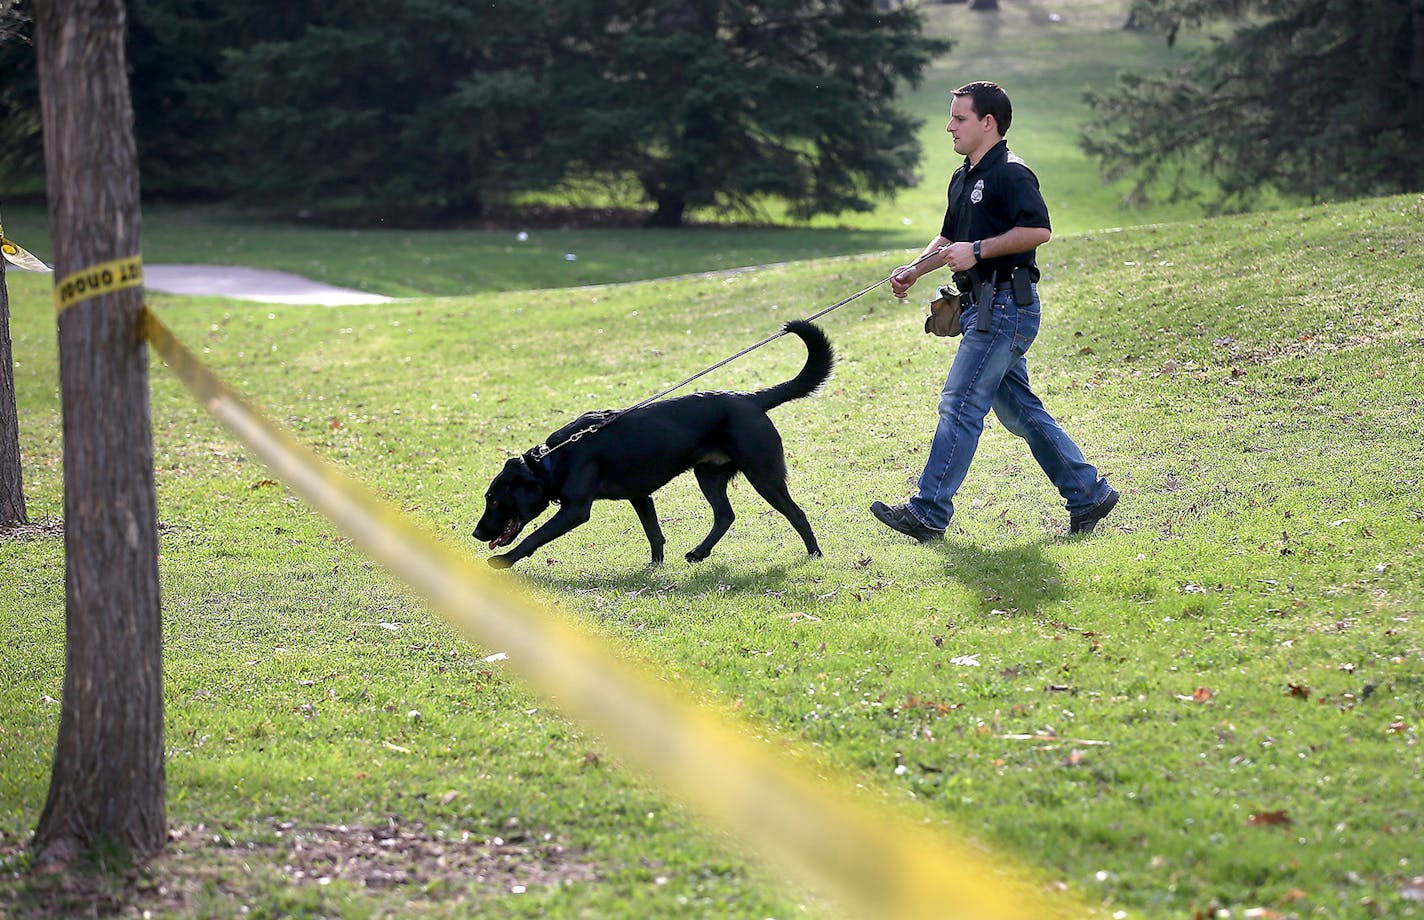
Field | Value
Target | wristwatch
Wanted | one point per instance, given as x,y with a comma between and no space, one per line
978,256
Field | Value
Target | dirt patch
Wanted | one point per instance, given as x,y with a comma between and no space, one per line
394,855
37,530
203,869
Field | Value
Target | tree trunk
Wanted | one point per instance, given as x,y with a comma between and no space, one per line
107,784
671,208
12,483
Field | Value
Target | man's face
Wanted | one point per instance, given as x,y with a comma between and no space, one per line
970,132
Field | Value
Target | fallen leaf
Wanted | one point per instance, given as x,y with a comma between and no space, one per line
1202,694
335,423
1074,758
1269,819
1298,691
263,483
1262,913
914,702
449,797
968,661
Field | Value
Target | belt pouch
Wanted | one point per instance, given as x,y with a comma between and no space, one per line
1023,286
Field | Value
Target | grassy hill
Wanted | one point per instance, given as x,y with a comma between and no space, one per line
1214,703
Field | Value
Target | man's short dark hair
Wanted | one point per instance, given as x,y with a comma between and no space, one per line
989,99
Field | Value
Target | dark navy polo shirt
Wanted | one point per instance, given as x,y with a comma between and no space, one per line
998,194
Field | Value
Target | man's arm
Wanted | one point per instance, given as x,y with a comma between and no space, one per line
904,277
960,256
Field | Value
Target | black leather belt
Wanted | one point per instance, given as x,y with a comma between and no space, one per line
1000,286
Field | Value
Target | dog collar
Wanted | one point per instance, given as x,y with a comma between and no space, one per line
534,459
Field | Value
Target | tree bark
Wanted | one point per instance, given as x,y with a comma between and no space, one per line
107,784
12,482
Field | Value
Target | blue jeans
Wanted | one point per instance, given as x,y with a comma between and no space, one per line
989,371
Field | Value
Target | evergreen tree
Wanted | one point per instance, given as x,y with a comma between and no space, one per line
439,103
720,102
1316,97
176,53
430,103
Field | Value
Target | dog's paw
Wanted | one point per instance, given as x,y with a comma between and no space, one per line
500,562
814,554
695,556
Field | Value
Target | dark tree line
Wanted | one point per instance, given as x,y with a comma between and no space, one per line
438,104
1323,98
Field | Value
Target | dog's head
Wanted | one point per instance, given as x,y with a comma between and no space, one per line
514,498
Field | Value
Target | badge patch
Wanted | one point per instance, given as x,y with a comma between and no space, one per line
977,195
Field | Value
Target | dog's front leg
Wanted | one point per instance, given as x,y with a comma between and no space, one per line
569,516
648,515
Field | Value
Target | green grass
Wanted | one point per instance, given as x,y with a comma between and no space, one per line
1046,67
1240,638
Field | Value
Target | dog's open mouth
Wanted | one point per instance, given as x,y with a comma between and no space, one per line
511,530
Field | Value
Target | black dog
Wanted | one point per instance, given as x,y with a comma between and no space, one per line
716,435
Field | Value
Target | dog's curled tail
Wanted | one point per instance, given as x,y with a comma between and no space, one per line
820,359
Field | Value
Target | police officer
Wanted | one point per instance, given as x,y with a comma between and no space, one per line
995,221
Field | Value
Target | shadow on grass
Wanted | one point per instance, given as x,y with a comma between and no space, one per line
1014,579
681,578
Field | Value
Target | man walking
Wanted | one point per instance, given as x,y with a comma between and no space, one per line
995,221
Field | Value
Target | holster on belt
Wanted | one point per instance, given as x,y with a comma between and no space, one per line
983,299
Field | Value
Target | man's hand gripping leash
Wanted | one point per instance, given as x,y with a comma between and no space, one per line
894,278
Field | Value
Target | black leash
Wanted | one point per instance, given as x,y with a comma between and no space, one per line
543,450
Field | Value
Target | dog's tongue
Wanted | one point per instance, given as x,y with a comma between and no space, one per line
510,530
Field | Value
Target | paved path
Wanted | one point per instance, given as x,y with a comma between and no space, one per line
251,284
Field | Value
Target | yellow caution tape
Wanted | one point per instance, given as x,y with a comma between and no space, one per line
875,860
97,280
19,257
